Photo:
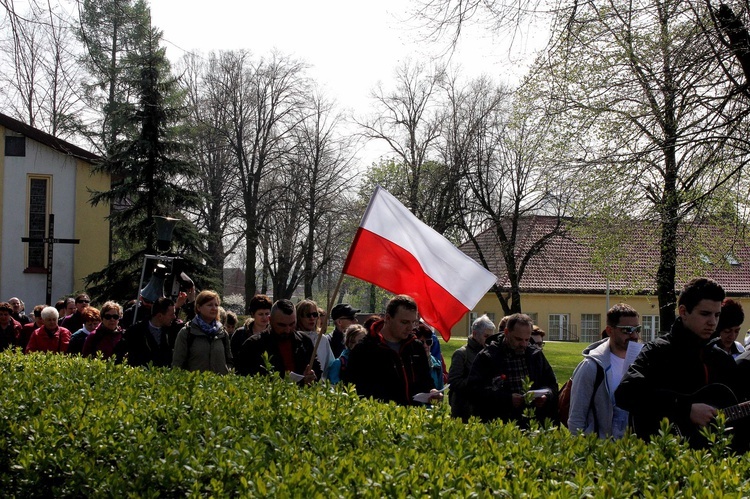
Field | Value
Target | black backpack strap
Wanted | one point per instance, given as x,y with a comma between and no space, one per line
227,346
190,339
597,382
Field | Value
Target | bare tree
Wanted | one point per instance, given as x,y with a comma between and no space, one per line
513,172
324,156
42,87
408,119
664,129
220,216
654,100
283,232
263,100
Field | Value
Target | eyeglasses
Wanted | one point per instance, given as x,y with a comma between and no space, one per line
83,301
629,329
311,315
110,316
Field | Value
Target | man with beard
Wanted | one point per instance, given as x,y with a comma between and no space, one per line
592,407
496,381
288,350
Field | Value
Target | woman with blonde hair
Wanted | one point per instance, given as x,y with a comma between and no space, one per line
308,316
203,344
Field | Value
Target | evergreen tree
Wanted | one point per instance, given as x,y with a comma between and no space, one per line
109,31
149,175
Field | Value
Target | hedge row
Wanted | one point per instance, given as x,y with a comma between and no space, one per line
73,427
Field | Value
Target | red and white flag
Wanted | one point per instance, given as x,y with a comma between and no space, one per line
393,249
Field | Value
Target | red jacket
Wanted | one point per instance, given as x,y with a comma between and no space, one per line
42,341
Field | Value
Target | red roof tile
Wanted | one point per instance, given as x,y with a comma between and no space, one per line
571,263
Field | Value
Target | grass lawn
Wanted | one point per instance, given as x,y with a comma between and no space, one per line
563,356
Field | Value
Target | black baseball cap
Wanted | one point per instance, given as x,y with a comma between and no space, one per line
343,310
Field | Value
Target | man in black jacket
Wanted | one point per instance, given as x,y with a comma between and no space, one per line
496,379
662,380
391,364
288,350
152,340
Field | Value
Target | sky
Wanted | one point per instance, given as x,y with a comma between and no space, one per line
350,45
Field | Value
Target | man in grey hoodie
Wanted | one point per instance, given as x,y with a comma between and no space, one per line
592,406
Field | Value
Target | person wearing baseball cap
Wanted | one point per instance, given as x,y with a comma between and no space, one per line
343,316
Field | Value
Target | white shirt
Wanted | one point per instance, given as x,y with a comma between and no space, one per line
616,373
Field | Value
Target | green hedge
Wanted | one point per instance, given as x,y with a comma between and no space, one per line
72,427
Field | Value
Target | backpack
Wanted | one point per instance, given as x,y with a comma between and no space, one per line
563,398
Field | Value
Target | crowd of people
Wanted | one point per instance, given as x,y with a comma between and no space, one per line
687,375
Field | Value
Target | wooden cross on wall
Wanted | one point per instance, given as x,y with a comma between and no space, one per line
50,241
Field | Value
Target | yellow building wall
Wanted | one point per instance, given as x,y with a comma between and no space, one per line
575,305
91,225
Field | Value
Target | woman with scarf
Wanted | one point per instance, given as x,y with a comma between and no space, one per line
203,344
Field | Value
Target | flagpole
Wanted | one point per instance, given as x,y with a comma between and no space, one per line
328,310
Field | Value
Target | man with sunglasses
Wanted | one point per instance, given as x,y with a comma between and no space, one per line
592,407
664,380
74,322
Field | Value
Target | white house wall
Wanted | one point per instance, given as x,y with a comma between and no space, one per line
42,160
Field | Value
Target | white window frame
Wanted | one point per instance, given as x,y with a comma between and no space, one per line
651,325
559,327
591,327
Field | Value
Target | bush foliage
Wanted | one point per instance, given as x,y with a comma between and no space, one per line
73,427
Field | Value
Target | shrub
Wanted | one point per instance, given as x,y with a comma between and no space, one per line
74,427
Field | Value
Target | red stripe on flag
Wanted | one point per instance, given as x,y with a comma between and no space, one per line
375,259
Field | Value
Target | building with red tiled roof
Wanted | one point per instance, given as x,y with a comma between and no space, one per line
569,285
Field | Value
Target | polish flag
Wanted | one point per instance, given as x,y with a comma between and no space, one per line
393,249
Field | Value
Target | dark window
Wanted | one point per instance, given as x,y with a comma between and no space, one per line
15,146
37,220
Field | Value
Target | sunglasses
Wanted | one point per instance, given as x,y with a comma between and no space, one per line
110,316
629,329
311,315
83,301
427,341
